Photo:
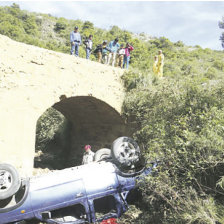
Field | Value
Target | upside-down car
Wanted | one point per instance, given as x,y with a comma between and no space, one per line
84,194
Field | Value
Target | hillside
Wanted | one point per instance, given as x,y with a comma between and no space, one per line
52,33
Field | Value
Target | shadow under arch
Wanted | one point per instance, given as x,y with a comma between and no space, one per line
91,121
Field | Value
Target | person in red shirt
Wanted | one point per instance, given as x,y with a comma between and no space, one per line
128,49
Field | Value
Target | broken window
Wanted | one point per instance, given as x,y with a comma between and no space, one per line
104,206
70,213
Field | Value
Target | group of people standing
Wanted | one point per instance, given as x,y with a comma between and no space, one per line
112,53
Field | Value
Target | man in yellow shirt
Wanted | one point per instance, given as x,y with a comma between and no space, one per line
160,63
155,65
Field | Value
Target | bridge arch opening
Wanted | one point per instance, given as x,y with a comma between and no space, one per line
71,124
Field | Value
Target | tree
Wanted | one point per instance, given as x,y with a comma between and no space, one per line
87,28
115,31
61,24
30,25
221,26
15,6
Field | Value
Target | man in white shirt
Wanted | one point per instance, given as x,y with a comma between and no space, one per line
88,155
120,58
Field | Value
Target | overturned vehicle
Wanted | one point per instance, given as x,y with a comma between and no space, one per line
84,194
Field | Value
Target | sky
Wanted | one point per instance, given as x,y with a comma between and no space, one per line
192,22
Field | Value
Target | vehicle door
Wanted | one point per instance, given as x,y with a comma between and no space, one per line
105,207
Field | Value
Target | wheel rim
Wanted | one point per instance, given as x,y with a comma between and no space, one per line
128,154
5,180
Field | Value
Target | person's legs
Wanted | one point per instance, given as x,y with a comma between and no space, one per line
109,57
87,53
77,49
72,48
160,71
118,61
105,59
127,61
121,61
114,58
99,56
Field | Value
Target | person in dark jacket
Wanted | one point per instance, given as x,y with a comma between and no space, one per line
101,51
98,52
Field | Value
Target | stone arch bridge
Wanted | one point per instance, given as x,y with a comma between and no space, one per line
33,79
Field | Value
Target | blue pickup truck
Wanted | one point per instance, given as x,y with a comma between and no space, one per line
88,193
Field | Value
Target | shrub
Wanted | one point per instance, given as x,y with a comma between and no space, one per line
180,121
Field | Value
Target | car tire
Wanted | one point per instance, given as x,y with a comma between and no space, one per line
9,181
102,154
126,153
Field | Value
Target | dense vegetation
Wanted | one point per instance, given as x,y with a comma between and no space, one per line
181,122
178,119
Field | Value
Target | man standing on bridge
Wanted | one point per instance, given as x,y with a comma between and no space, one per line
89,45
114,46
75,39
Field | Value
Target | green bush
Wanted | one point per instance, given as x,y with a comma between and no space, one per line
219,65
180,122
61,25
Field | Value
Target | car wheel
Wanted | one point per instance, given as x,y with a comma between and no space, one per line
126,153
9,181
102,154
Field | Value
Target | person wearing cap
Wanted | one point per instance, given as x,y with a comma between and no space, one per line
128,49
120,58
88,155
114,46
75,39
89,45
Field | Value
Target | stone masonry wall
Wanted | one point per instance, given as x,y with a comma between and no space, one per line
32,79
